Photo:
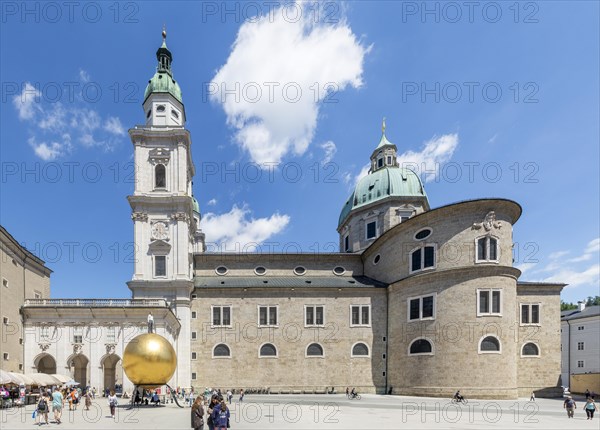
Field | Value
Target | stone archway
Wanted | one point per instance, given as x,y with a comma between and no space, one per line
113,372
45,363
78,365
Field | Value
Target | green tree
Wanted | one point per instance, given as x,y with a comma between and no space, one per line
564,306
593,301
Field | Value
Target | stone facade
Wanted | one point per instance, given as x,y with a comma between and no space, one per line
23,275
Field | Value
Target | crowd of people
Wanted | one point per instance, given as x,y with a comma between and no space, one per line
217,412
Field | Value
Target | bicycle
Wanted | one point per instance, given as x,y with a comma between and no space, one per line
354,396
459,400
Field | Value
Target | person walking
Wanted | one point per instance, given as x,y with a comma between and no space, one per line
150,323
242,395
210,410
590,407
198,414
532,398
88,400
570,405
57,405
42,409
191,396
112,403
221,416
229,396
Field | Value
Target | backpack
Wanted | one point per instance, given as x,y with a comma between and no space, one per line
42,405
570,403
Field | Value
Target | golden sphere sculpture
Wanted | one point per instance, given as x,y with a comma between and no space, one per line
149,360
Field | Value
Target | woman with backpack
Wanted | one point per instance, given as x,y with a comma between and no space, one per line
42,409
221,416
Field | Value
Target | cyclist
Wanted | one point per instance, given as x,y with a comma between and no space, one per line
458,396
353,393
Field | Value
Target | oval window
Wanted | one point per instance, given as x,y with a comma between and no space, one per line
300,270
339,270
160,108
148,114
423,234
174,113
221,270
377,259
260,270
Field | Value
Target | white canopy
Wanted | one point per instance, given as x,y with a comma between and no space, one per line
44,379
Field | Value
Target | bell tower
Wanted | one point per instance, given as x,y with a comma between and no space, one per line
165,215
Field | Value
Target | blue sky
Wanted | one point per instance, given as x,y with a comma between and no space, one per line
503,99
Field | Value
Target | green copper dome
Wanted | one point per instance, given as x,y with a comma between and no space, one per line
163,81
195,205
379,185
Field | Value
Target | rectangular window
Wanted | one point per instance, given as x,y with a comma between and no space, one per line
421,307
111,335
380,162
37,295
580,327
194,355
44,333
194,335
580,346
194,296
160,265
489,302
416,260
194,315
221,316
5,282
20,341
372,230
194,376
314,315
347,243
6,356
580,363
78,335
429,257
5,320
360,315
389,160
267,315
20,366
422,258
530,313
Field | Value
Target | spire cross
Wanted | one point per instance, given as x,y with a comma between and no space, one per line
383,125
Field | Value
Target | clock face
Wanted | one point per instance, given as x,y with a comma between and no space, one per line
159,231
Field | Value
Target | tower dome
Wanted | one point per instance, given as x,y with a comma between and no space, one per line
163,81
386,196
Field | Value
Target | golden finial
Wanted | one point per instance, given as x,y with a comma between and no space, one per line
164,32
383,126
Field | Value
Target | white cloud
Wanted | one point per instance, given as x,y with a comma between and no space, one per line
525,267
237,228
84,76
50,151
434,153
575,278
329,149
271,59
212,202
53,124
426,162
27,103
556,255
113,125
593,246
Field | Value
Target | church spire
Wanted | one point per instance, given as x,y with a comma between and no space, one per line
163,55
385,153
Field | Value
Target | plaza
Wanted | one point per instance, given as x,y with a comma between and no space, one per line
327,412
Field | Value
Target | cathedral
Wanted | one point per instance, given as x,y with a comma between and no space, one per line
418,301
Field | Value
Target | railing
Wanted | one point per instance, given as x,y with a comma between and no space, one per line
97,303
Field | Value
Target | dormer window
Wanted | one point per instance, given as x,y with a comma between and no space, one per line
380,162
389,160
160,177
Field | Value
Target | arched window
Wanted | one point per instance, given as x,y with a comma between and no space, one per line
160,176
489,344
221,350
314,350
487,249
268,350
360,350
420,346
422,258
530,349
